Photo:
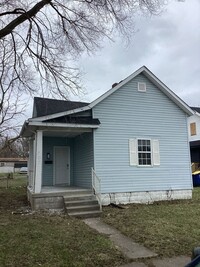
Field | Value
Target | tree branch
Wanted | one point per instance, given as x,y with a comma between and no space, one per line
25,16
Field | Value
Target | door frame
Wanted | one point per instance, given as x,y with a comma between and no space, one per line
54,162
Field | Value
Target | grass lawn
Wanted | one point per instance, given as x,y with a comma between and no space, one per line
17,181
168,228
45,240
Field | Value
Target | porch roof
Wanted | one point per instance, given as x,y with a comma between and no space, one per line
78,120
57,128
47,106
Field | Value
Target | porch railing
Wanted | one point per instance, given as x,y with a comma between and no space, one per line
96,186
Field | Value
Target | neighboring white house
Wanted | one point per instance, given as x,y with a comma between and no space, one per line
194,134
11,165
134,137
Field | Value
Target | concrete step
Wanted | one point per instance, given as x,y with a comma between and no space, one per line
79,197
82,205
85,214
83,208
73,203
79,192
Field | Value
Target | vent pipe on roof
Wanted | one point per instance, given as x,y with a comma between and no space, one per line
114,84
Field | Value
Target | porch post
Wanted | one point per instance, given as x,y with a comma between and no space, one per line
38,161
31,164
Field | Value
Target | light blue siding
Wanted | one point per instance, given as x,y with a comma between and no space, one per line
83,160
48,147
127,114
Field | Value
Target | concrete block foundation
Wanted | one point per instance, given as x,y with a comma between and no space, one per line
146,197
45,201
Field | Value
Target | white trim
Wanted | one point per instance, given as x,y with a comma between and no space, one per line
154,80
156,152
119,85
38,161
94,144
134,152
31,164
147,73
60,114
150,152
61,125
144,89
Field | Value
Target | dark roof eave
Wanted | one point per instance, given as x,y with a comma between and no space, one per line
47,106
196,109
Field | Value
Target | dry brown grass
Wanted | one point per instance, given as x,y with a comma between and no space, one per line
46,240
168,228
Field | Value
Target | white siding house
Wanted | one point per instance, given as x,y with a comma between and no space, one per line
134,137
11,165
194,135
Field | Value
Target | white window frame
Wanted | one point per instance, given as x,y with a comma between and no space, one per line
143,152
134,153
142,84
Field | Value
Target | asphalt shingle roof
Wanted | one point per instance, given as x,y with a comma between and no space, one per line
47,106
196,109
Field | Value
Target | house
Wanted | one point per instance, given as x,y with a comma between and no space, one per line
194,135
11,165
134,138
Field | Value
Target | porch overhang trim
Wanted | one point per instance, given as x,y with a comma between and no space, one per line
30,128
60,114
62,125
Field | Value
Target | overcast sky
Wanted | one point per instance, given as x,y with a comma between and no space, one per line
168,44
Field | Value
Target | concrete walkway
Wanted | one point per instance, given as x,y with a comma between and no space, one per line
132,250
126,245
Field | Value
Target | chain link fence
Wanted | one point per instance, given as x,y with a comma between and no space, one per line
8,180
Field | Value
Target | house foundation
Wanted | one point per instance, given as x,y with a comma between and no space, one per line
146,197
44,201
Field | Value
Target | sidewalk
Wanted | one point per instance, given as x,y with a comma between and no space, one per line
126,245
132,250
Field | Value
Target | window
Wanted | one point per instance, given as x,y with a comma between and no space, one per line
144,152
193,128
141,87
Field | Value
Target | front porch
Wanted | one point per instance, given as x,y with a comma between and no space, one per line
75,201
52,197
61,153
60,173
60,160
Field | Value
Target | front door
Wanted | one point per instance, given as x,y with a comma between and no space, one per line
61,165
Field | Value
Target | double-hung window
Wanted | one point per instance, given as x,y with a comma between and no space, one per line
144,152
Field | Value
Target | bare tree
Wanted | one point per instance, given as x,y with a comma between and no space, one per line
11,102
48,34
40,40
16,148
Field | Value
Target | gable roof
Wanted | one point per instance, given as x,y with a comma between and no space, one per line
143,70
47,106
146,72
